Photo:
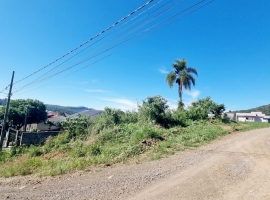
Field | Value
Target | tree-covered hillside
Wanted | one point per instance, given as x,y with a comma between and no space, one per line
264,109
55,108
66,109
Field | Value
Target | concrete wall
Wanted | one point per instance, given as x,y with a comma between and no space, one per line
36,138
250,119
243,119
258,119
42,127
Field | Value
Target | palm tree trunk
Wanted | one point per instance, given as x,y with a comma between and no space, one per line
180,93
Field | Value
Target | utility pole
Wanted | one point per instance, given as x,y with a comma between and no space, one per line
25,119
6,112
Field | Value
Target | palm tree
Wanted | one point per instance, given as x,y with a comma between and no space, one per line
182,75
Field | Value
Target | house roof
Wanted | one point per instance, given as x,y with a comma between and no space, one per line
92,113
57,119
252,114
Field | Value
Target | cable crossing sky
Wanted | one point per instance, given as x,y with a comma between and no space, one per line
143,22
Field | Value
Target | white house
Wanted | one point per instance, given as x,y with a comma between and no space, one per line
252,117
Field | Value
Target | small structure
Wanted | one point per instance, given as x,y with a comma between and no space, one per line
252,117
229,115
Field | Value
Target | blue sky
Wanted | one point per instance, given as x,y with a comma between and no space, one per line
228,42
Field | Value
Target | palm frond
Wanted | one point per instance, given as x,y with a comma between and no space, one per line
187,84
179,65
192,79
192,70
182,75
170,78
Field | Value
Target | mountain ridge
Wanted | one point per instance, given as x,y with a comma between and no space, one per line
56,108
265,109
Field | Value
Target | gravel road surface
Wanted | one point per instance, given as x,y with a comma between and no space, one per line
234,167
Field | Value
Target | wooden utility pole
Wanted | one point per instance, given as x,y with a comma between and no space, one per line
6,113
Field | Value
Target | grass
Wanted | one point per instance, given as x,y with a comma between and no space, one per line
119,144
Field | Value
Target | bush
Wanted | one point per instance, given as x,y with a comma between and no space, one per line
199,110
108,119
77,127
180,118
154,109
130,117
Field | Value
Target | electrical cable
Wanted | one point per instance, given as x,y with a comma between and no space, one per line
134,36
145,31
136,10
92,44
102,51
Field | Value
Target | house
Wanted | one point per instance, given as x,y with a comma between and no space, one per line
52,124
42,126
252,117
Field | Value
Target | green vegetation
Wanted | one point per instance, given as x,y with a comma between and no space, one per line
65,109
264,109
183,76
55,108
17,110
152,132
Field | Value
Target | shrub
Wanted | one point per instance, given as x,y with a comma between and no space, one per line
199,110
153,109
180,118
108,119
131,117
77,127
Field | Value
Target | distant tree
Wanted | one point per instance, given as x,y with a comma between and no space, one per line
201,108
3,102
265,109
154,109
183,76
17,110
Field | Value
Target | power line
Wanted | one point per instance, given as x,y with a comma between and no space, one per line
4,88
108,45
130,38
190,7
136,10
37,79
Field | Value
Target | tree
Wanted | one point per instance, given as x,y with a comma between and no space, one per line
200,109
17,110
183,76
154,109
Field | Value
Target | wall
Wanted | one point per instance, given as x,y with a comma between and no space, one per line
242,119
37,138
257,119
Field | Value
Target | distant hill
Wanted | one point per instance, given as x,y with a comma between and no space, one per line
66,109
264,109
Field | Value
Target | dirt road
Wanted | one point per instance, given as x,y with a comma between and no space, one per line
234,167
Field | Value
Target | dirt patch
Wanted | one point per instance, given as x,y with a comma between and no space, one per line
227,128
91,140
54,155
233,167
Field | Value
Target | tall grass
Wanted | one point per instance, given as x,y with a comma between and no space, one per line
117,137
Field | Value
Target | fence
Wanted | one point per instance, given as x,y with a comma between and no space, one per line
34,138
16,137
